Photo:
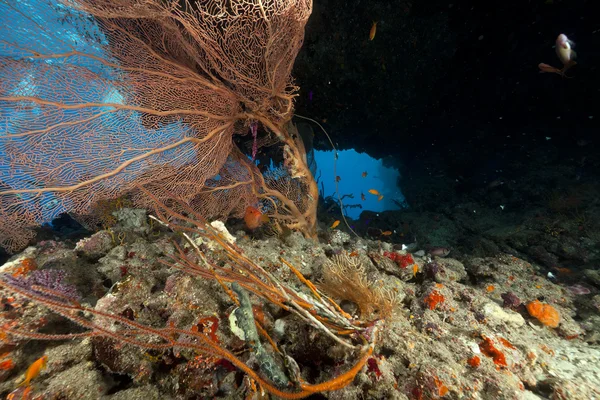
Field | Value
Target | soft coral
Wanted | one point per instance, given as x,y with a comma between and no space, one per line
403,260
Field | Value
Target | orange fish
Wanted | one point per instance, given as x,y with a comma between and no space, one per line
415,270
34,370
364,174
380,197
386,233
562,270
335,224
254,218
374,192
373,31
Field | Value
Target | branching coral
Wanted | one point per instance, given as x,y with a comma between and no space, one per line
346,278
238,276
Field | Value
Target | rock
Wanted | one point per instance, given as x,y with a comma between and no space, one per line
147,392
450,270
339,238
570,329
593,275
111,265
496,315
133,220
83,382
95,246
68,354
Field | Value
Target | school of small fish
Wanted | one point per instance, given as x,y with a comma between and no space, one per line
375,192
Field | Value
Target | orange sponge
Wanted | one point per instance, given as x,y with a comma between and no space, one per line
433,299
544,313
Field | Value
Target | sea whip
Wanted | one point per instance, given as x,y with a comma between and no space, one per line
254,130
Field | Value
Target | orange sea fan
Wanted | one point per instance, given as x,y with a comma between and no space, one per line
544,313
148,94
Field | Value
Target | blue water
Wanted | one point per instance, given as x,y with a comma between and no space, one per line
350,167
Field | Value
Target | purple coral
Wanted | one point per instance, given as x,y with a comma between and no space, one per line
578,289
46,278
431,269
510,300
